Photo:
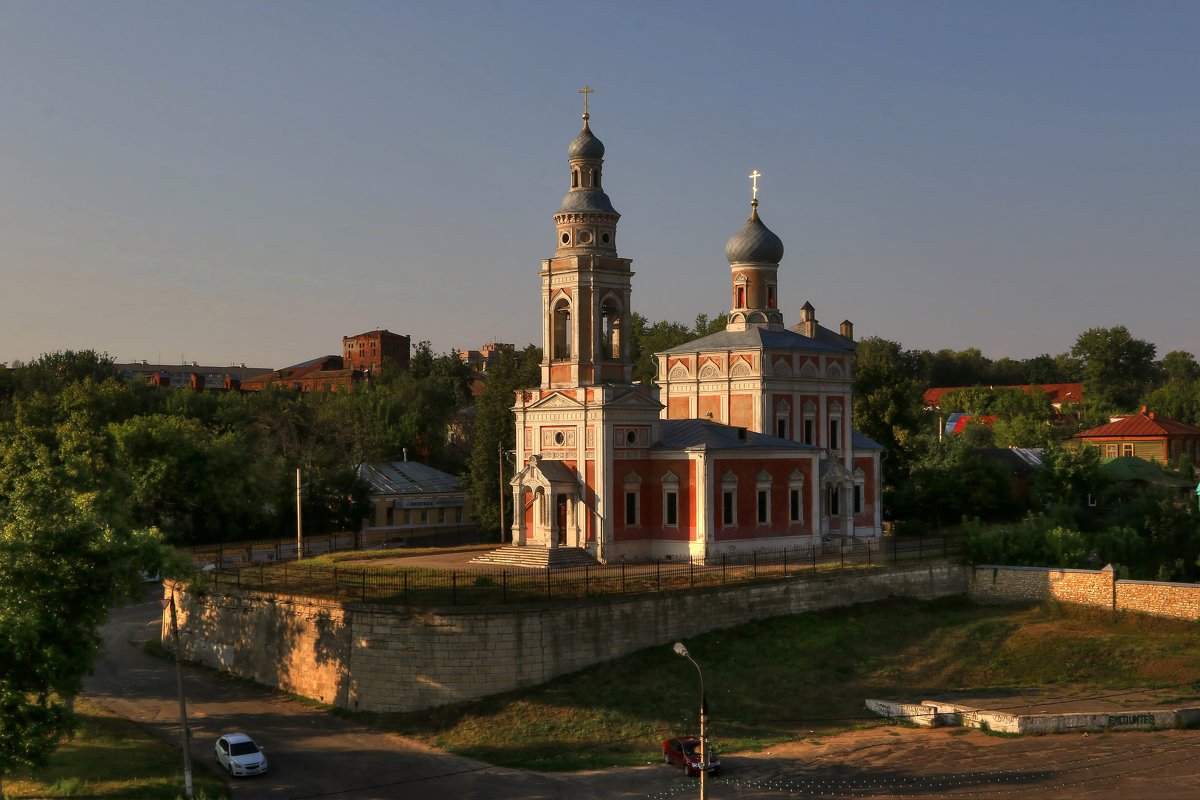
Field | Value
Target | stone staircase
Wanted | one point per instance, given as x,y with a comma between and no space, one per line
532,557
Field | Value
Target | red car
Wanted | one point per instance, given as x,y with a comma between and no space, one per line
685,754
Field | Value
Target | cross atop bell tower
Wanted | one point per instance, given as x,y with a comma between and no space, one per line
586,286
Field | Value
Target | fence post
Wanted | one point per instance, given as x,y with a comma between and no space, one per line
692,572
657,575
453,587
364,585
869,563
585,580
756,564
785,562
549,596
503,586
622,577
724,578
405,588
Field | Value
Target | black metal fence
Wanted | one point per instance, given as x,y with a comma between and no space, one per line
496,585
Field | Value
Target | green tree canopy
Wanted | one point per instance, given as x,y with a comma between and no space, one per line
1117,368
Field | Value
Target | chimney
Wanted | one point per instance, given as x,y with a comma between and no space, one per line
848,329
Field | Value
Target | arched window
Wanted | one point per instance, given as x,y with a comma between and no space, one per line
562,330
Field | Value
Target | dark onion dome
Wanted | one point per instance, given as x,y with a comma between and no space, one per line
586,145
754,244
581,201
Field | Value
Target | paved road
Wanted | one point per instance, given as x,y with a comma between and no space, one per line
314,754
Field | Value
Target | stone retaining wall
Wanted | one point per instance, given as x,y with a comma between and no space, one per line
1097,588
388,658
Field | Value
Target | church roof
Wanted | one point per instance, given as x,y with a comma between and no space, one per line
756,337
755,243
682,434
581,201
585,145
829,337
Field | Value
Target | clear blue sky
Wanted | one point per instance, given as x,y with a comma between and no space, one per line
248,182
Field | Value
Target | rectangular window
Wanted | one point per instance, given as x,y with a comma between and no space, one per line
1110,451
672,512
858,499
794,505
764,508
834,441
808,432
781,428
834,501
727,508
631,508
1127,449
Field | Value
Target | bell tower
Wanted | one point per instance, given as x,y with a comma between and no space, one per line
586,286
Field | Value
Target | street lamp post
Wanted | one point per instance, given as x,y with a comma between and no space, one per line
683,651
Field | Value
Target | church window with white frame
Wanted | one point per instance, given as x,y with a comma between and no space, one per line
670,484
763,497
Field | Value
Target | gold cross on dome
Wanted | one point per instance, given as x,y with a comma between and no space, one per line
754,176
585,91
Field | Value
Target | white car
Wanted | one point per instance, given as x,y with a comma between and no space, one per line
238,753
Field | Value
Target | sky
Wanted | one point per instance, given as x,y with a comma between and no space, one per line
231,182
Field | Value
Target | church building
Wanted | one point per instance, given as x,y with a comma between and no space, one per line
746,443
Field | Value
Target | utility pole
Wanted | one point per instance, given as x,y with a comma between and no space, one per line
500,512
299,534
185,735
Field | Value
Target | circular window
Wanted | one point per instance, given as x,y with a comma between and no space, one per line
566,237
585,236
604,238
559,438
631,437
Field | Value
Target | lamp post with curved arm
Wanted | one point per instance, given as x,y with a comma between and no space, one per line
683,651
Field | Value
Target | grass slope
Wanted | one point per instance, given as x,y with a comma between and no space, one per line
791,677
110,757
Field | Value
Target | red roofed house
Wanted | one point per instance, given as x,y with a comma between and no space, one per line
1056,393
1147,436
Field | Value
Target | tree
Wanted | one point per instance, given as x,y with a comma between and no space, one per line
887,398
1117,368
495,431
1069,476
68,552
647,339
1180,366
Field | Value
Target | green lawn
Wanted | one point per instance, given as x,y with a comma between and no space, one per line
807,676
110,757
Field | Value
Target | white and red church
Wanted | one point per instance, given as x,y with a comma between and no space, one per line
746,443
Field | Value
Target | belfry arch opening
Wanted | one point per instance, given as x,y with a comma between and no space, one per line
612,331
561,321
